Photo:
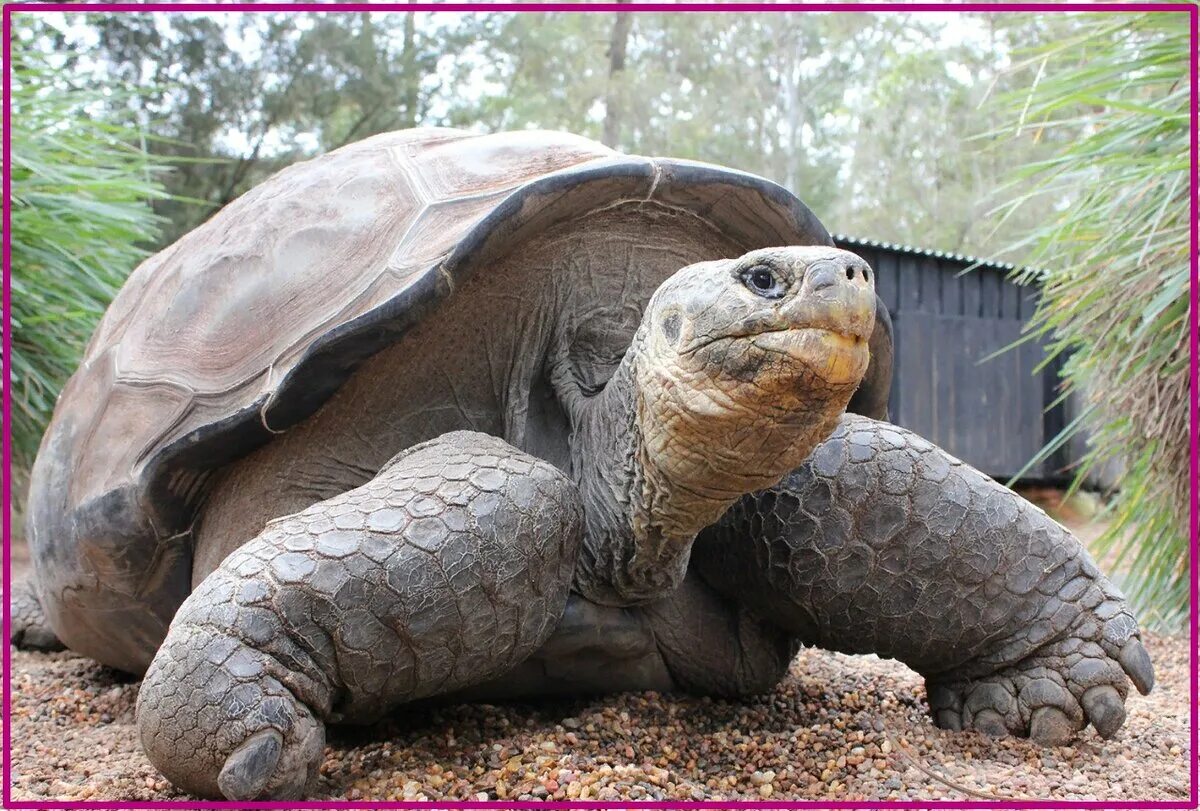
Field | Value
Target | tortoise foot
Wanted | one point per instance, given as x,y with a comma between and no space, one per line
29,629
1050,695
221,718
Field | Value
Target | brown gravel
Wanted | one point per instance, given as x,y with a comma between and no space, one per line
839,727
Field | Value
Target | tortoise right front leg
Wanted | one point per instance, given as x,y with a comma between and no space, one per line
448,568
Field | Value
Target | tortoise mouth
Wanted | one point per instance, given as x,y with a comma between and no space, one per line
834,339
812,353
781,338
833,356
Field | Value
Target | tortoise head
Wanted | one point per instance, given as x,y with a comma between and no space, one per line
739,369
746,364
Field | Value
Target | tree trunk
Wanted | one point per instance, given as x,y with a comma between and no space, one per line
412,79
616,66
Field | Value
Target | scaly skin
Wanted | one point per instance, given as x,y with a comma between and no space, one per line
418,584
448,568
882,543
30,631
452,566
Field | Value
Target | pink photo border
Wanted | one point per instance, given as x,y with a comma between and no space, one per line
1189,8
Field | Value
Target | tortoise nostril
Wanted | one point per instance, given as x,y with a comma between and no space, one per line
850,272
866,275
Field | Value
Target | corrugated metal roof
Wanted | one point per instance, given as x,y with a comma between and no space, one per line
974,261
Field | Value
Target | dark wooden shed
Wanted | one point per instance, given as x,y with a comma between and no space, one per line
992,413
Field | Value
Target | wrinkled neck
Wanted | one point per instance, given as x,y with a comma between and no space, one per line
626,557
655,468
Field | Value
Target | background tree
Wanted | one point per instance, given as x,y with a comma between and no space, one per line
874,119
239,96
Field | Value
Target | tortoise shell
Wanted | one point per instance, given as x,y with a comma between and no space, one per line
247,324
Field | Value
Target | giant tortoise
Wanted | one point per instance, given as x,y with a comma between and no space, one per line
486,416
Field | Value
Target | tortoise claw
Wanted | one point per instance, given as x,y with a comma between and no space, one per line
1050,726
946,705
990,723
1136,664
1104,708
248,769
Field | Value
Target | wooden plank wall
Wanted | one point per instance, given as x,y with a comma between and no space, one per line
990,413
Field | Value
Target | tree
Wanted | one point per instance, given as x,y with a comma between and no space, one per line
616,67
242,96
873,119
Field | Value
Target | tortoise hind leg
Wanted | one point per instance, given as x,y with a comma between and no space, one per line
29,629
882,543
714,645
594,650
448,568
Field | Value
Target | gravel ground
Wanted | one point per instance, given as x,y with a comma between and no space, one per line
839,727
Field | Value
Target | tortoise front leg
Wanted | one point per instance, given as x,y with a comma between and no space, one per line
882,543
448,568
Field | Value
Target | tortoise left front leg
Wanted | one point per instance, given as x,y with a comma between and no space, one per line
883,543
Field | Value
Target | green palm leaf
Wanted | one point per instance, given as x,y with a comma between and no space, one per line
81,182
1114,273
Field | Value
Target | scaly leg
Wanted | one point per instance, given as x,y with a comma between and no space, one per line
447,569
30,630
883,543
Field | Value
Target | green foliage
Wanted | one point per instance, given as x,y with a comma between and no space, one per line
808,100
80,186
924,168
1114,297
873,119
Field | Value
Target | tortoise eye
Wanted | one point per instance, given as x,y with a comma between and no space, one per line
762,281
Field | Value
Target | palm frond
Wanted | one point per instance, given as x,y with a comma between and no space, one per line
1114,270
81,183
